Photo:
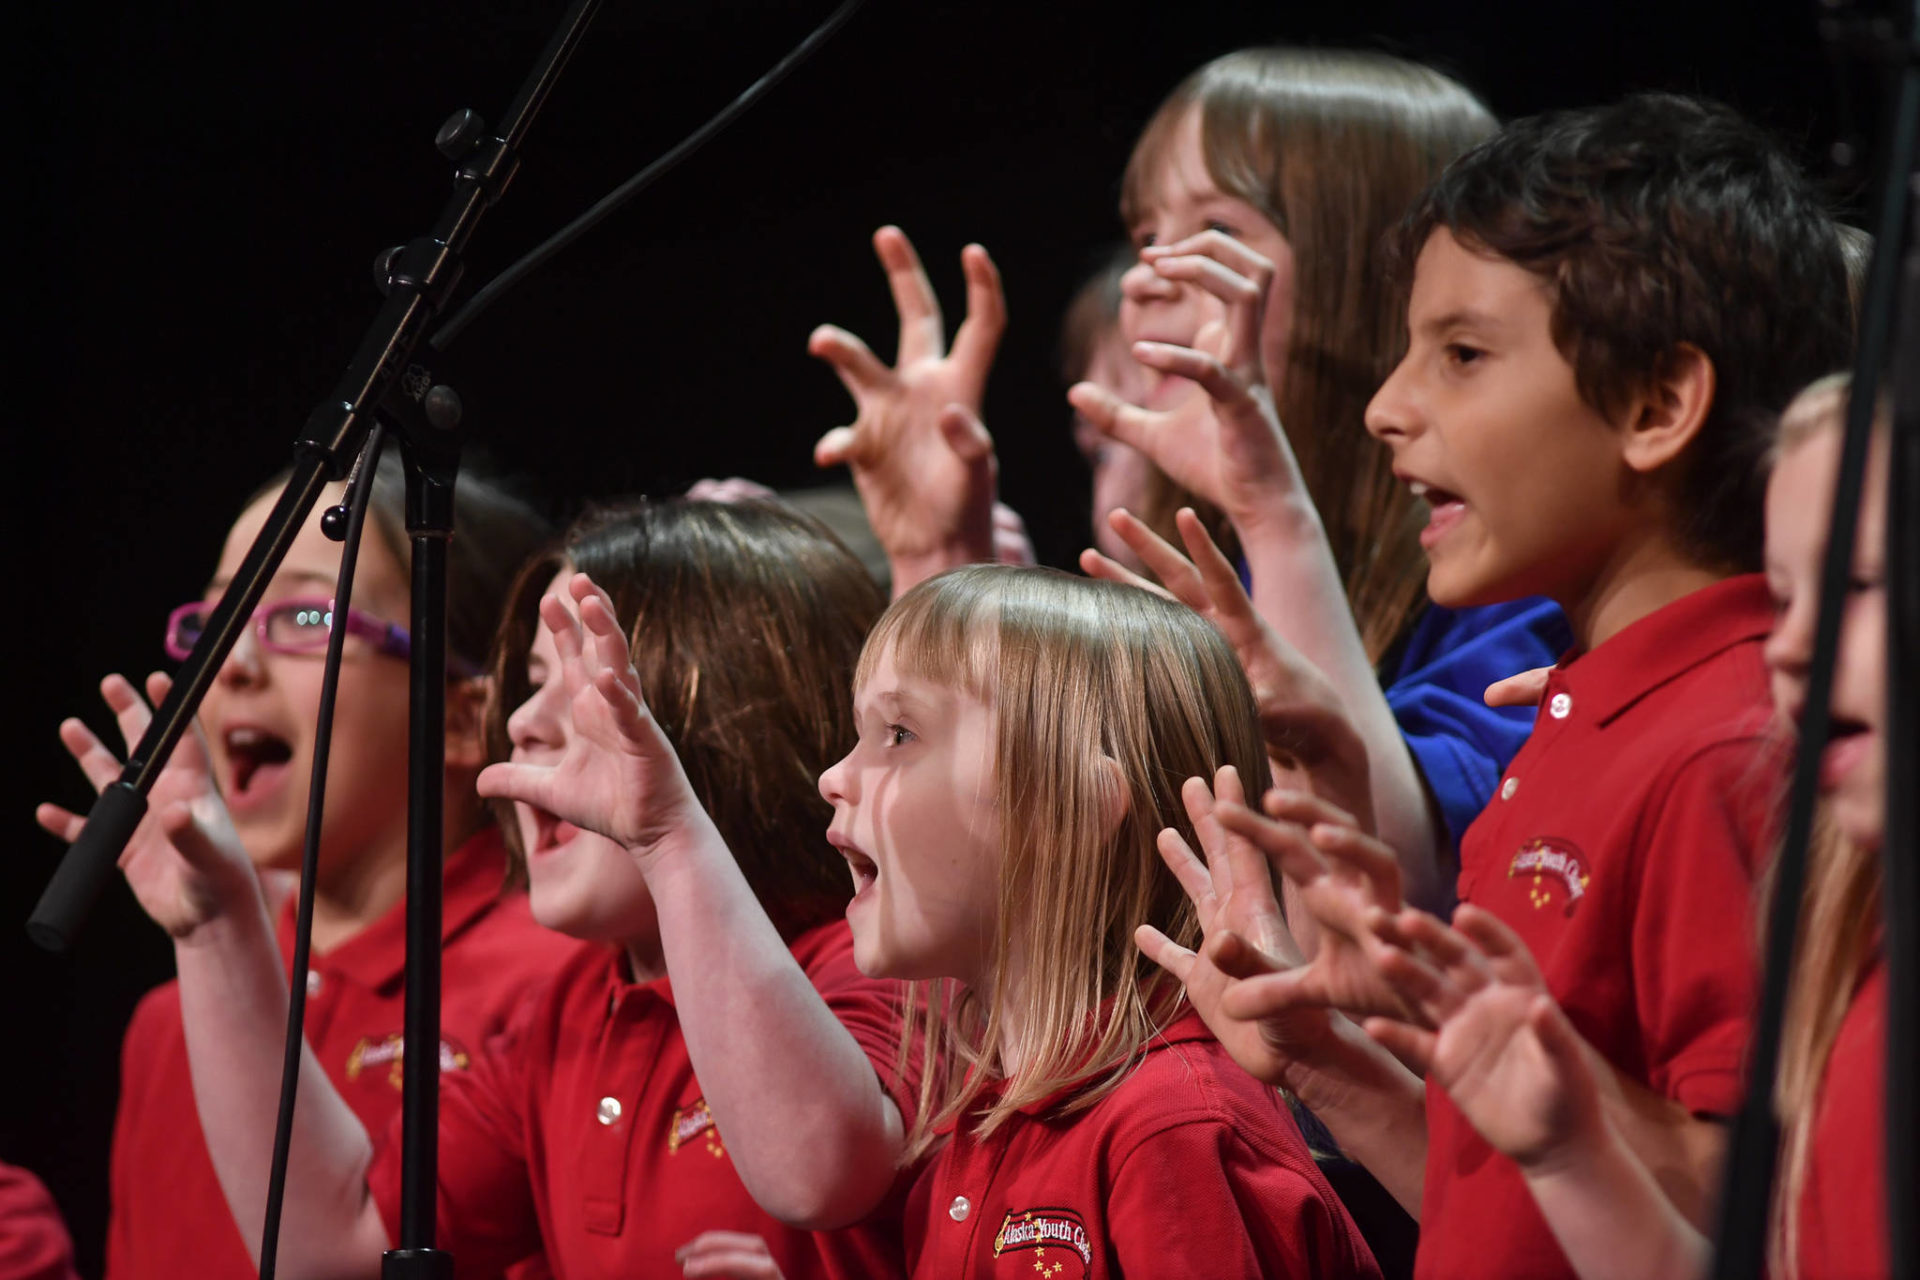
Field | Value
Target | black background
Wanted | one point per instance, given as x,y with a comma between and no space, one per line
199,192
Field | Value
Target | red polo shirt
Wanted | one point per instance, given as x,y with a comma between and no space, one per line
1843,1207
1190,1167
1622,845
33,1238
169,1217
583,1126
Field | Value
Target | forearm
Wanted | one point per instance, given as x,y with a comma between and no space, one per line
807,1124
233,1004
1373,1106
1610,1217
1297,590
1681,1151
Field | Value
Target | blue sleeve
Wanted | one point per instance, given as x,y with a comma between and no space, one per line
1460,743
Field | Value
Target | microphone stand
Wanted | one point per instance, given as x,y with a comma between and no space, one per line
1888,349
383,378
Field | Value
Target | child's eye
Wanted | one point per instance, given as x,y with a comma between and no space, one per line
1459,353
898,735
1224,229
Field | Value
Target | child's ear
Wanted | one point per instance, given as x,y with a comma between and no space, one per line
466,723
1673,410
1115,798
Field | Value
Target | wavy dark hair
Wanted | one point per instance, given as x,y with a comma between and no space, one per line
745,622
1659,221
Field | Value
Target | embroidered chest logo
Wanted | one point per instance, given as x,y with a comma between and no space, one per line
1050,1238
1553,865
371,1053
694,1121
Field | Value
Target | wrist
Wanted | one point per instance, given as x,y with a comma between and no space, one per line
1276,513
911,569
236,923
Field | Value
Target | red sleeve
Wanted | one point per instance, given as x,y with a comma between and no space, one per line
34,1244
138,1050
485,1214
1694,963
872,1009
1195,1199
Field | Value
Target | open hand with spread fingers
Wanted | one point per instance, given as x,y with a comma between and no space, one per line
1243,935
921,458
1502,1048
616,774
1302,718
1226,445
185,862
1347,882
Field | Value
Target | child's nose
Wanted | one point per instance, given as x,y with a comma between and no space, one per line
533,723
244,664
834,782
1391,414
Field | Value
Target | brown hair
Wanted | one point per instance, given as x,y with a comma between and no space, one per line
1837,934
1331,146
1659,221
1082,675
493,534
745,621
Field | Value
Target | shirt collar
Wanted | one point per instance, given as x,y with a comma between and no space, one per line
1666,644
1186,1026
376,956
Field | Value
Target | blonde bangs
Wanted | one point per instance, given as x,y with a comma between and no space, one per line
1081,675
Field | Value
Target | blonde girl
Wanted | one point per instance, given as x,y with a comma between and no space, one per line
1023,738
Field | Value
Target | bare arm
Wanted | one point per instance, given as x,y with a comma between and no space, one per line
1537,1092
1229,447
186,866
814,1136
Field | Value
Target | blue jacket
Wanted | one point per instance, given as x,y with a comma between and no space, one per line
1460,743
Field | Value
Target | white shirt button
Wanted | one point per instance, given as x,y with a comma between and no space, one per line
959,1209
313,983
609,1110
1560,706
1508,787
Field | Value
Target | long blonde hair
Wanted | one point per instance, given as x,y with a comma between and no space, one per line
1838,931
1332,146
1082,676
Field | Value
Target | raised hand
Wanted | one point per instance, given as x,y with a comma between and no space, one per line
1503,1049
1243,934
1348,883
1227,445
617,775
1302,718
185,862
736,1255
921,458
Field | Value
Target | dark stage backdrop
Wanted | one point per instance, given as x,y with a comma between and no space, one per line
199,196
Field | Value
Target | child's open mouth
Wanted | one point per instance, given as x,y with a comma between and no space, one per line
864,870
549,832
1444,510
256,762
1847,742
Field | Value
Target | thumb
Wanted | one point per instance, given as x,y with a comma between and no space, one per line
965,434
1412,1045
189,832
